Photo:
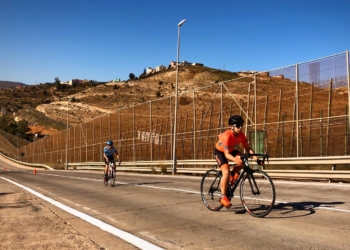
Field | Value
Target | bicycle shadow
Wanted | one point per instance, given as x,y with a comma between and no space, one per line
300,209
291,209
141,183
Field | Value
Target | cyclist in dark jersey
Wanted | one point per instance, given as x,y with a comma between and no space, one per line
108,154
226,149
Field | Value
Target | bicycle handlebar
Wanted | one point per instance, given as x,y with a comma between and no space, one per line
264,156
120,161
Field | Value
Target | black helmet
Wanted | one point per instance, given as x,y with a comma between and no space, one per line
109,143
236,119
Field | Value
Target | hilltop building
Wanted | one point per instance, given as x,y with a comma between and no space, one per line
172,65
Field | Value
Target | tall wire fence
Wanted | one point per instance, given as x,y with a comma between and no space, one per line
297,111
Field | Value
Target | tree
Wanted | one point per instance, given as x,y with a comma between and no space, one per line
57,83
131,76
22,126
142,75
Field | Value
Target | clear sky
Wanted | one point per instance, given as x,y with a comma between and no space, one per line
106,39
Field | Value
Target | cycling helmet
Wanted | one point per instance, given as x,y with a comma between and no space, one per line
236,119
109,143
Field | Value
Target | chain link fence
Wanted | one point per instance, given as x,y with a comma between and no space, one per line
297,111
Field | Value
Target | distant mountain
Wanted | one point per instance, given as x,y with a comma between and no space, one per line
8,84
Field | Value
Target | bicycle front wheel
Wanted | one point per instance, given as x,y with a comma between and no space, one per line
257,193
113,178
105,180
210,190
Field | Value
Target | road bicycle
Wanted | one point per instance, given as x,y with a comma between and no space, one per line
257,191
111,174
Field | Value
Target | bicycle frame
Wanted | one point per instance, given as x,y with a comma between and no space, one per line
249,171
110,168
111,174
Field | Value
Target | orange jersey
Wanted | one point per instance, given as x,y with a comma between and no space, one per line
228,141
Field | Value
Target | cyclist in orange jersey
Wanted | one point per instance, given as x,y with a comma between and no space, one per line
226,149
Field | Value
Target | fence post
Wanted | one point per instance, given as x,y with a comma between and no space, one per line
150,131
329,114
321,133
194,124
133,133
348,76
297,106
310,117
346,131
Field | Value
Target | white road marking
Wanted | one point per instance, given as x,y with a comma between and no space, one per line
197,192
132,239
339,184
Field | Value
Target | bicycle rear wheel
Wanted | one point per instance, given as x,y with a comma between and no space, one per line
257,193
112,180
210,190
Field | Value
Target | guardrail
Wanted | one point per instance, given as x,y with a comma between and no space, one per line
182,167
27,164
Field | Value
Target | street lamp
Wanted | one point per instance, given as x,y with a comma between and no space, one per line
17,149
67,134
176,87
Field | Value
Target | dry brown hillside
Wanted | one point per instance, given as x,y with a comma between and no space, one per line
106,98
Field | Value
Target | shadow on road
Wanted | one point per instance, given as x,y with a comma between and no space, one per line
5,193
299,209
288,209
142,183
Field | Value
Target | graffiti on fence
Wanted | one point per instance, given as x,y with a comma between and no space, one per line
147,136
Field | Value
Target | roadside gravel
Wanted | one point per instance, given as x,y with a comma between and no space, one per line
27,223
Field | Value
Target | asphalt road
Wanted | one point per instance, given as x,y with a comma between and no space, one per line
167,211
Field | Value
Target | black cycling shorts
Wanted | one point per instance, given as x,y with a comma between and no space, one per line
110,159
220,156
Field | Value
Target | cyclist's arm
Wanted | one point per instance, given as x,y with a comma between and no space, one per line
105,156
116,152
255,157
229,156
251,151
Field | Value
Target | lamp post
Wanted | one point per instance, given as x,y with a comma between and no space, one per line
176,87
17,149
67,134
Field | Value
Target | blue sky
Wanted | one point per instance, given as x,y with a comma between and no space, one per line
103,39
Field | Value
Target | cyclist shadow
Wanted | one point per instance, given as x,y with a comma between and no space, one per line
290,209
5,193
300,209
142,183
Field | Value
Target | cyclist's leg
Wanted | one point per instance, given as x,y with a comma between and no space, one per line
106,166
238,161
224,180
106,170
223,164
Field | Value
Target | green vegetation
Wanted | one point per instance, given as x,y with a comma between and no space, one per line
131,76
35,116
10,126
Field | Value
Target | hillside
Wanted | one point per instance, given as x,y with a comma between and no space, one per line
8,84
96,101
45,107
